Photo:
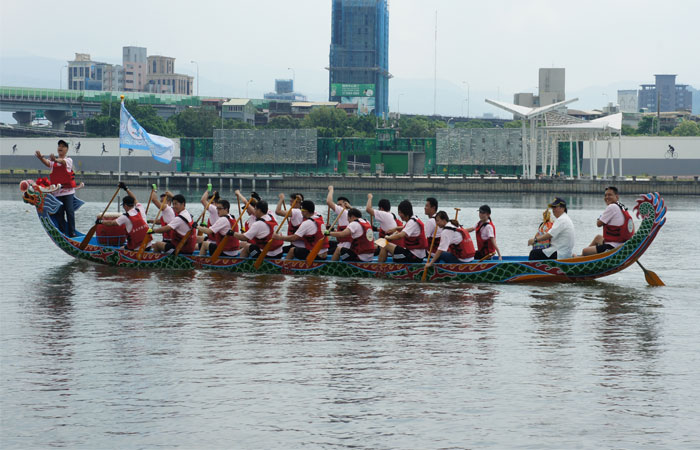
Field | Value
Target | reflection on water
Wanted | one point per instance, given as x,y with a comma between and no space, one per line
101,357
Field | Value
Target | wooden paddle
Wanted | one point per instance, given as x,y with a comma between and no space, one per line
651,277
220,247
189,232
150,197
91,233
261,257
149,237
432,242
457,210
239,206
199,233
317,246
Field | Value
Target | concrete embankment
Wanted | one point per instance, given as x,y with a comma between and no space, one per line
371,183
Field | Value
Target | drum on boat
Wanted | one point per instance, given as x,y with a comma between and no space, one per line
114,236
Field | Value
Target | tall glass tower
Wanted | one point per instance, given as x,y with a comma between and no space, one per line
359,56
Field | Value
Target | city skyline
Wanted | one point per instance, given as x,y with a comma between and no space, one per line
486,50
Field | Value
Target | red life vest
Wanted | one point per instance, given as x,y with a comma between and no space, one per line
191,243
622,232
430,238
311,239
60,174
291,229
262,242
168,235
361,245
485,247
416,242
231,243
399,242
139,229
465,248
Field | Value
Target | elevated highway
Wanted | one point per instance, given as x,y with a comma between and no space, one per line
60,105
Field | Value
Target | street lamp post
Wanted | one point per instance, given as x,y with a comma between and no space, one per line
197,64
468,88
246,87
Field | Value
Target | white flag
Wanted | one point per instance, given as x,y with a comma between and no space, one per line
132,135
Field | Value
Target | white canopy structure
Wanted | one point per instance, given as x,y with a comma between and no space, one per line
604,128
536,117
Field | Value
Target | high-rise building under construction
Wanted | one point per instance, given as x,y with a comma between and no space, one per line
359,55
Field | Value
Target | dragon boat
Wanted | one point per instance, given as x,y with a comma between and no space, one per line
650,209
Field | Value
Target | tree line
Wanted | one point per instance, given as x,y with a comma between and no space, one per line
330,122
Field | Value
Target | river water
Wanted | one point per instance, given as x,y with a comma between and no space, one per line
97,357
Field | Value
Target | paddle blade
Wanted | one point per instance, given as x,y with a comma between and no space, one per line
261,256
653,279
314,252
87,237
143,245
219,249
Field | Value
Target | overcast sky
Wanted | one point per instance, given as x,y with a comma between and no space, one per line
495,46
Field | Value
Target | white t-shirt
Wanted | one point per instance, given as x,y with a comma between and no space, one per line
295,218
412,229
168,214
386,220
307,228
342,222
179,225
213,213
430,227
356,232
562,237
250,221
69,167
123,220
613,216
260,230
221,226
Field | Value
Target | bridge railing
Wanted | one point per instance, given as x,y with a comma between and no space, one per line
71,96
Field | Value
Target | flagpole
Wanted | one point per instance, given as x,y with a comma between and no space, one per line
119,172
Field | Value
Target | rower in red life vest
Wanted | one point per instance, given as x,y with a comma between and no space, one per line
62,173
295,217
485,232
341,207
260,233
413,234
250,211
362,239
213,216
307,234
133,219
180,225
455,244
224,224
430,209
617,223
387,220
167,215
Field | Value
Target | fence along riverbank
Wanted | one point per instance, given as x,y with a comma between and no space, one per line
429,183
